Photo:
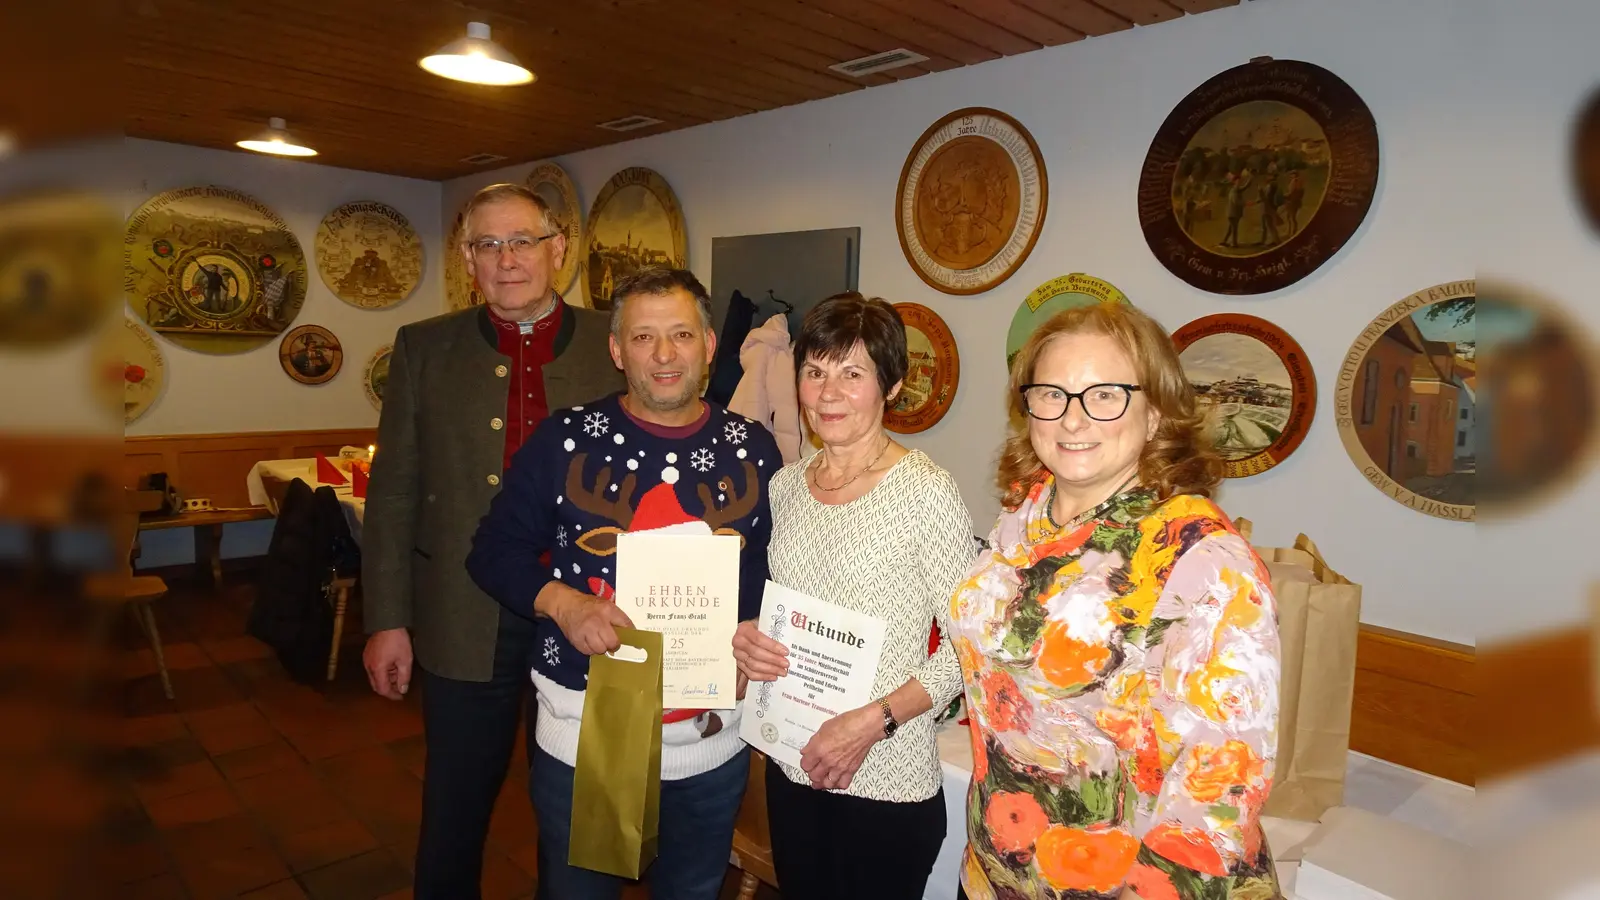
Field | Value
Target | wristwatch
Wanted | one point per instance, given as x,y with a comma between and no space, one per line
889,724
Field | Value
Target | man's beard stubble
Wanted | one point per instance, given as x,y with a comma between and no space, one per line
641,389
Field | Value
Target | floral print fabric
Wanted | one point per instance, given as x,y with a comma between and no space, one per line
1122,689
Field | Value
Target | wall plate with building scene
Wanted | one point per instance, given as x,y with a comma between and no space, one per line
368,254
635,222
460,290
1258,177
376,377
213,269
1406,402
551,183
1052,297
971,200
1255,384
932,375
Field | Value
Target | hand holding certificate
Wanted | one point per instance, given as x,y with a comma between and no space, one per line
685,585
833,660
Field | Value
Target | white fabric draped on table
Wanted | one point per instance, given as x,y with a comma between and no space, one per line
287,470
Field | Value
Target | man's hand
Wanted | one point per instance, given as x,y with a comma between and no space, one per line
587,621
387,660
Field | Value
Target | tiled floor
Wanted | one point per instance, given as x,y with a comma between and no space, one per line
251,785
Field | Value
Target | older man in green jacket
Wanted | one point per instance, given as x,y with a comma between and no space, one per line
465,389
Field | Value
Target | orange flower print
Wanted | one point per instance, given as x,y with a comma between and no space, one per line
1148,771
968,655
980,753
1150,883
1072,859
1214,771
1120,726
1066,661
1188,847
1007,709
1015,821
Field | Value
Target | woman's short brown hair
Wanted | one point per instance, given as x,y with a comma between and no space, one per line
834,326
1180,459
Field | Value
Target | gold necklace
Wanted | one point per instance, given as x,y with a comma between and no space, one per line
829,490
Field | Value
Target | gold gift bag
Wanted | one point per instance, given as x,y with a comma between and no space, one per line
616,788
1319,619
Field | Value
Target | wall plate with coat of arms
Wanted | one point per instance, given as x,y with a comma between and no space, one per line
971,200
460,291
376,377
131,372
368,254
1256,385
1258,177
1406,403
1052,297
932,375
310,354
635,222
213,269
551,183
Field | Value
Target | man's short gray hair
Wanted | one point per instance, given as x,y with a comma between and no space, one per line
500,193
657,281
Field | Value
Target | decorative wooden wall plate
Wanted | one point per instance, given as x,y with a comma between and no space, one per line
1052,297
58,251
1586,159
932,376
635,222
1278,135
460,291
1401,391
551,183
376,377
1256,383
132,373
971,200
213,269
310,354
368,254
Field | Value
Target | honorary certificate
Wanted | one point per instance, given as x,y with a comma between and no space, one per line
685,586
833,658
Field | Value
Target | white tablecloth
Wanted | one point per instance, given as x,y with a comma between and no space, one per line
286,470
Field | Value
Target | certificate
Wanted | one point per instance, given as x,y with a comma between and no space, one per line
833,659
685,586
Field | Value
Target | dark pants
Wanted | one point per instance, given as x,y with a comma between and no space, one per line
696,828
470,729
828,846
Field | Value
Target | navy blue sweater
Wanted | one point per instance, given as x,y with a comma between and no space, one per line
592,471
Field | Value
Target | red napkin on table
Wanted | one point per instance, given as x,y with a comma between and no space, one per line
358,483
327,473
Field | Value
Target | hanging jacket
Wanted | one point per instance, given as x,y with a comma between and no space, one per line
766,393
310,545
725,369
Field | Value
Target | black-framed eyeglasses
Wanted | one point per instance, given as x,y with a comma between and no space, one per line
521,246
1101,402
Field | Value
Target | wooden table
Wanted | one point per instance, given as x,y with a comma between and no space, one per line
207,525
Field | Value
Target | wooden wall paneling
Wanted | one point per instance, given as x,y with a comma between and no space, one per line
1413,704
1142,12
1081,15
803,28
215,466
1020,20
1539,700
803,15
757,32
953,21
910,32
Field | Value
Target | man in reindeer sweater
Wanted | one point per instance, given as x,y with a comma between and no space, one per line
654,456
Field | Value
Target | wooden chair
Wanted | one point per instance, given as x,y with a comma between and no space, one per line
339,592
121,585
752,838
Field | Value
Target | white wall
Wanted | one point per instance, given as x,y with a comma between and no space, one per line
1465,140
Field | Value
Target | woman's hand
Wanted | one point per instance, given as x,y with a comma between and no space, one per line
759,657
832,756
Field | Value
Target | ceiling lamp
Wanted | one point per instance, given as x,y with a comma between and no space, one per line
276,141
477,60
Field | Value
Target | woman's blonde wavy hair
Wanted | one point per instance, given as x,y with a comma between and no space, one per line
1180,459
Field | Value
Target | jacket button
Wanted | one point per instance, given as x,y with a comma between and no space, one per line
500,371
494,479
496,423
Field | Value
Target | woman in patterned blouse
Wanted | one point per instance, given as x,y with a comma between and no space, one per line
1118,639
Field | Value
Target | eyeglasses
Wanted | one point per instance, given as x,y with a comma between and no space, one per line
521,246
1101,402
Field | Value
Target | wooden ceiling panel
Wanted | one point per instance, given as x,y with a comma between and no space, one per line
345,74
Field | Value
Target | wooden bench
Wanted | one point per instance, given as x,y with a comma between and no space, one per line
207,525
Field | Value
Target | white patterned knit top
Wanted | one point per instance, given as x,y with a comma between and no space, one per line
897,553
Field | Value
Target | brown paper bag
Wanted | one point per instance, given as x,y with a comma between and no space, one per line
1319,617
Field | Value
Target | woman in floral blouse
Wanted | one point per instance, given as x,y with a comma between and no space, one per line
1118,639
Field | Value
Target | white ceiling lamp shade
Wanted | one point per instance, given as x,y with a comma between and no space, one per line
276,141
476,60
